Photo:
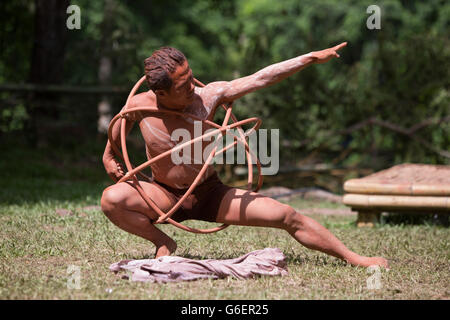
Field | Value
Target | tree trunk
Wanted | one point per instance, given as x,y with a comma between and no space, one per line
105,68
104,106
47,63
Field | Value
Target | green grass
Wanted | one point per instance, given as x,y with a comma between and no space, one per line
37,246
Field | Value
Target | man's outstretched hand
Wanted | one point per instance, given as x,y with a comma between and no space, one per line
326,55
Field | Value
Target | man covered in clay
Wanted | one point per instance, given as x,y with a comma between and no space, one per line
172,88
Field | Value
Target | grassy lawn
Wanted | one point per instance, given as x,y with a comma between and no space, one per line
37,245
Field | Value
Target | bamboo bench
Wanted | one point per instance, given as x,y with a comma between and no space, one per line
403,188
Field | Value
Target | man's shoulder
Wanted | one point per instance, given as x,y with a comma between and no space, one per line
212,93
215,87
143,99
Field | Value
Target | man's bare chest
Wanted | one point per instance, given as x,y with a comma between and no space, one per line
162,132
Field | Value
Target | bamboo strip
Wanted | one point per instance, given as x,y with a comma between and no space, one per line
412,189
390,201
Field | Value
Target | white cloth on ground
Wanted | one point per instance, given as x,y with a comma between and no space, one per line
269,261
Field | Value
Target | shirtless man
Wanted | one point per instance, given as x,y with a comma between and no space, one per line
171,82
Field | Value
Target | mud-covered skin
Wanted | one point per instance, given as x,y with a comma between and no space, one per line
124,206
158,133
157,130
185,97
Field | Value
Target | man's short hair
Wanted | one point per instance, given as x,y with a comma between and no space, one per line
160,65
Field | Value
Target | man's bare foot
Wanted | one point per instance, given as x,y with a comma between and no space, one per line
378,261
370,261
166,249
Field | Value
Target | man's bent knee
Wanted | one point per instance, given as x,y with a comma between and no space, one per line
110,200
116,200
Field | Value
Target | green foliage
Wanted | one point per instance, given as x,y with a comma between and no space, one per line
398,74
16,40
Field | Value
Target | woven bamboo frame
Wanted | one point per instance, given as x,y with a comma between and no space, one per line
132,171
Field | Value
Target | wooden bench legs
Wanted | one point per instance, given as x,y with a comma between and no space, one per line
367,218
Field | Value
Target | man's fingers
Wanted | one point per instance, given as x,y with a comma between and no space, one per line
118,173
339,46
118,176
113,177
119,169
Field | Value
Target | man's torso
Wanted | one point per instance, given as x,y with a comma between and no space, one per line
158,132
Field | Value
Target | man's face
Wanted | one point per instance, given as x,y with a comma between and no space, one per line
182,91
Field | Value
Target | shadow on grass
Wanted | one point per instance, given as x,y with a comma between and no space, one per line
53,173
316,260
406,218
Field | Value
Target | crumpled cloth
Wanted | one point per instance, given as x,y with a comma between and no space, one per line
268,261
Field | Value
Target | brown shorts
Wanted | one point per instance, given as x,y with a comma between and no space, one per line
202,204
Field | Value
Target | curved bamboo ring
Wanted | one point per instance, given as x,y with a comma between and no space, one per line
133,171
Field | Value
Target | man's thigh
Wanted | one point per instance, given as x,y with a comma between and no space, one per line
127,196
242,207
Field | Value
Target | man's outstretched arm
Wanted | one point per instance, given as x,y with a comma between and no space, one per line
228,91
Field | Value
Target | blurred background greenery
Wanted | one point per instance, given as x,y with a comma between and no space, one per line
384,102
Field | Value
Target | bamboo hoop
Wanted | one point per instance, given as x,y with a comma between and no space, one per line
220,129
